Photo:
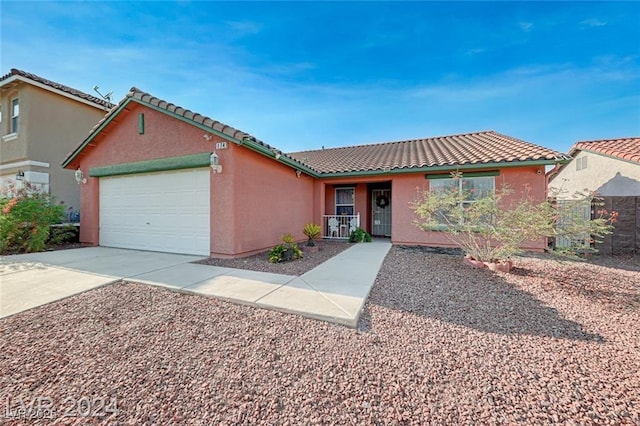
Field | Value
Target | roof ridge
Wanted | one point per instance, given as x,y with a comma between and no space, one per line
58,86
399,141
608,140
142,97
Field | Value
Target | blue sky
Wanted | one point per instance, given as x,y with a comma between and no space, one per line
304,75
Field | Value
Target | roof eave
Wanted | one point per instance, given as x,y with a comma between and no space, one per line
608,156
76,98
246,141
449,167
282,158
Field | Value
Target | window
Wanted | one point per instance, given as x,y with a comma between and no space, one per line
470,189
15,112
345,201
581,163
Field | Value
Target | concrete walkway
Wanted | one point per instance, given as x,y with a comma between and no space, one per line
334,291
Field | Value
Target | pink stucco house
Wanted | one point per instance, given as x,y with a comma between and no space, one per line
155,176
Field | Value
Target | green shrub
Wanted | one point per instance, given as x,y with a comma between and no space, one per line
285,252
312,231
27,216
60,235
359,235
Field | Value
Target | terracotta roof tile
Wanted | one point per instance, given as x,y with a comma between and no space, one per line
455,150
54,85
146,98
622,148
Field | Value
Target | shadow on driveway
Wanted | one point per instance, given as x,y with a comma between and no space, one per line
440,287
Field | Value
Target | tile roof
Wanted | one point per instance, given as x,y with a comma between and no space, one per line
54,85
145,97
455,150
622,148
142,97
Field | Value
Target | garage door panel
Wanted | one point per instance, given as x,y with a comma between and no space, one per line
167,211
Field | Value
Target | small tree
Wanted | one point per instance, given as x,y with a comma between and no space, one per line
312,231
26,218
491,229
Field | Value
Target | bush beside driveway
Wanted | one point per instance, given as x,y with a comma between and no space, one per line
439,343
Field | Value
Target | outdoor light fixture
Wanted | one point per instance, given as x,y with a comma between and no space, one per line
20,175
298,173
80,176
215,163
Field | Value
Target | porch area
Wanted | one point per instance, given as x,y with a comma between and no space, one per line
339,226
349,205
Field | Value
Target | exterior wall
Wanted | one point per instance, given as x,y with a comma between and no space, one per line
405,190
362,201
254,200
49,127
163,137
605,175
269,201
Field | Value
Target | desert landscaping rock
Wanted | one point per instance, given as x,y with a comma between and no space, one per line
260,262
441,343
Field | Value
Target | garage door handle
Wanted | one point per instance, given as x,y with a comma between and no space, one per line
147,223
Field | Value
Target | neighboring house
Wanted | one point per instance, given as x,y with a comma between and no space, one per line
610,167
160,177
40,121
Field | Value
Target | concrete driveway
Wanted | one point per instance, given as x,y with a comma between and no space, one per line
334,291
34,279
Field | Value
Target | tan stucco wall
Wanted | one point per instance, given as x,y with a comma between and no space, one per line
12,150
605,175
50,126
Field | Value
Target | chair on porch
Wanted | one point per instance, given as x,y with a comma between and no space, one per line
353,225
334,227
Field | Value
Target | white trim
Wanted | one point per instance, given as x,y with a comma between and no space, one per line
9,137
51,89
23,164
335,201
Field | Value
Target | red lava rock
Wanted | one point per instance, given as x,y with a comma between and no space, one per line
437,344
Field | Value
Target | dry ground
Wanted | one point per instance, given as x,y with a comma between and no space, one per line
260,261
439,343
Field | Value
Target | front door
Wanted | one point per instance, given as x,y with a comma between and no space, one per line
381,212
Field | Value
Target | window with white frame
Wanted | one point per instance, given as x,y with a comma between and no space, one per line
470,189
345,201
15,113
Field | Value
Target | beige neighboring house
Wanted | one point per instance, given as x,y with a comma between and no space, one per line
40,122
610,167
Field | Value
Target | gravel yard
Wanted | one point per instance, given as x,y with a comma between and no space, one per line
438,343
260,262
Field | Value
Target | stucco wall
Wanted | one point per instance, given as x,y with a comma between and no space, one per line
254,200
405,190
605,175
269,201
50,126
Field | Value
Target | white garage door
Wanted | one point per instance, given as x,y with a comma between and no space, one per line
165,211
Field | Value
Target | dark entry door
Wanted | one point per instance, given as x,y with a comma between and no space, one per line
381,212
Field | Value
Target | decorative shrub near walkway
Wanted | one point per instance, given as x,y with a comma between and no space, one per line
26,218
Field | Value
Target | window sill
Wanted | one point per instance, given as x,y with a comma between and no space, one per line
9,137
